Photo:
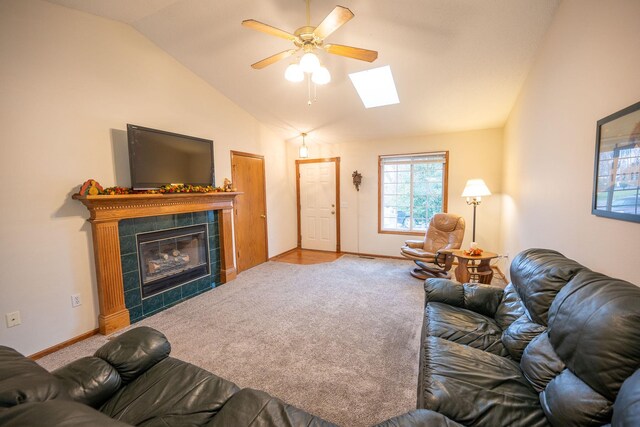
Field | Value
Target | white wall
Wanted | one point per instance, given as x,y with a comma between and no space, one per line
587,68
69,84
474,154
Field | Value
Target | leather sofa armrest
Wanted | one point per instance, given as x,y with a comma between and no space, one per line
483,299
415,244
22,380
89,380
445,291
135,351
419,418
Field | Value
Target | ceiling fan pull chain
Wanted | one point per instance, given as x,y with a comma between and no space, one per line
309,91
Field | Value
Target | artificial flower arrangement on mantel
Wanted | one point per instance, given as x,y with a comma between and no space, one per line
91,187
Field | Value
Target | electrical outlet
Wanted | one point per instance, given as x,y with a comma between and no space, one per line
13,319
75,300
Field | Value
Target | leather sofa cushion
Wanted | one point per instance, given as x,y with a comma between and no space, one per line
135,351
89,380
171,393
538,275
419,418
476,388
540,363
593,327
510,307
59,413
568,401
22,380
256,408
519,334
463,327
626,409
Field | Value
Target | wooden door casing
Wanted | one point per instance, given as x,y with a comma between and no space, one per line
335,160
318,206
250,210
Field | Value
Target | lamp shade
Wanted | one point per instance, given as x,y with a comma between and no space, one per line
293,73
476,188
309,62
321,76
303,152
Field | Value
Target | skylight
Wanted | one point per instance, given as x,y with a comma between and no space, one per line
375,87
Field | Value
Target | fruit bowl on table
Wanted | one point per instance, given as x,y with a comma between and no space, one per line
473,252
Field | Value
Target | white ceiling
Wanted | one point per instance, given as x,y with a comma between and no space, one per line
458,64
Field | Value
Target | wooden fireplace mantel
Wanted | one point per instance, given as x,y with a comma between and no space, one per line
107,211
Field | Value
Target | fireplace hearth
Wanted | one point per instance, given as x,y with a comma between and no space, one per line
172,257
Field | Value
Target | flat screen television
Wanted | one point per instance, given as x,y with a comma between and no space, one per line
157,158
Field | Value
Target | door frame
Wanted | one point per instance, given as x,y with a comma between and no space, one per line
336,160
264,189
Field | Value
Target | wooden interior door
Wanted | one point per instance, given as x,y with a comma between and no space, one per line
318,204
250,221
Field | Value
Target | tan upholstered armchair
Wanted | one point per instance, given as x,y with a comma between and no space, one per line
432,254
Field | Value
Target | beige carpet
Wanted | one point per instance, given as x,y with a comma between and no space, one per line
339,340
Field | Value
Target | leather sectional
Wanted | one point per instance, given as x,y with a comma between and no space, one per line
552,348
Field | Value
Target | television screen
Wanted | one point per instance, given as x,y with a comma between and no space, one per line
158,158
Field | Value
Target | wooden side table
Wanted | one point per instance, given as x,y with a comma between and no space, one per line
474,267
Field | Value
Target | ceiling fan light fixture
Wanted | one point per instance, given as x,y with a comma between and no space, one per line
321,76
309,62
293,73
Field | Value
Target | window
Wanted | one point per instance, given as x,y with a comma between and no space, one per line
411,189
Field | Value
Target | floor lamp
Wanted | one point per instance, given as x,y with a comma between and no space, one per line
473,191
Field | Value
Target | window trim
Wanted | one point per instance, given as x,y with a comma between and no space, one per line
445,190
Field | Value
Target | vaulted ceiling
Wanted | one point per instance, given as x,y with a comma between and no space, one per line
458,64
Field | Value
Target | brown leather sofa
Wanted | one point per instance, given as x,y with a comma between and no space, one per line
553,348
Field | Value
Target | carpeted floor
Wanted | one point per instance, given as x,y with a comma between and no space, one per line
339,340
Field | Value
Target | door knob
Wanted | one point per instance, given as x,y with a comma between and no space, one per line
263,216
333,212
333,206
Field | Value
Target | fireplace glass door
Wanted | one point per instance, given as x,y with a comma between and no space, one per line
170,258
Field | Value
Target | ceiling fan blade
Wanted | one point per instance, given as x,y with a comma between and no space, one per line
352,52
338,16
273,58
259,26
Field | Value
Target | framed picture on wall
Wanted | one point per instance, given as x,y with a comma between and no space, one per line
616,182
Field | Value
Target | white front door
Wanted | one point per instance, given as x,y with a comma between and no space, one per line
318,206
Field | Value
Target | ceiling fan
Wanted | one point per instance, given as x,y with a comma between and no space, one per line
309,38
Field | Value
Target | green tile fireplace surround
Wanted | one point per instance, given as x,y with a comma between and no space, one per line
140,307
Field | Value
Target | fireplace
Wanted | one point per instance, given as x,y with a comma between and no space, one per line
116,220
172,257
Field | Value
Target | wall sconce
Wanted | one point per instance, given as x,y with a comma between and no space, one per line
304,150
357,179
